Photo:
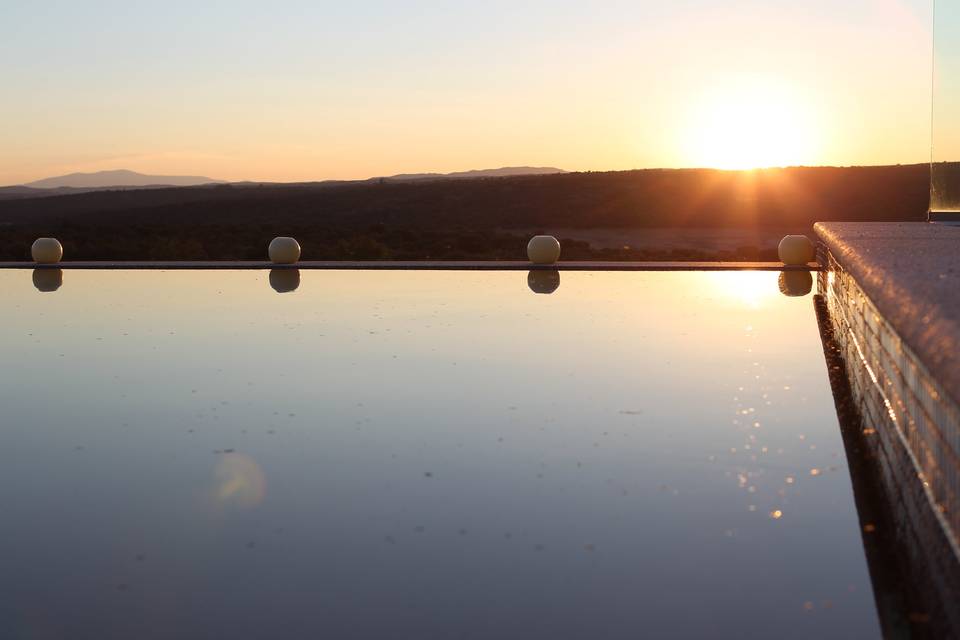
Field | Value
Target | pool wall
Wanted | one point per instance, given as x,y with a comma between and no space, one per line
909,415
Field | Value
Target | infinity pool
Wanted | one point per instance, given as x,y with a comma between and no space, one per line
422,454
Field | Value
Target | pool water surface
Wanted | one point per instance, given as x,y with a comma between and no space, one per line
422,454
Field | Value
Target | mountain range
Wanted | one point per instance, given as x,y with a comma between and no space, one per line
123,179
481,173
117,178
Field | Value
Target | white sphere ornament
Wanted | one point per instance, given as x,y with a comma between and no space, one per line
284,250
796,250
543,250
46,251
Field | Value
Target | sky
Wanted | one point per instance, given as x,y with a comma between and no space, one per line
290,91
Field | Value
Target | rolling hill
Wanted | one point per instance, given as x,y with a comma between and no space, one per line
117,178
487,218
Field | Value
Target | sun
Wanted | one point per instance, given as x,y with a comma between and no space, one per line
751,123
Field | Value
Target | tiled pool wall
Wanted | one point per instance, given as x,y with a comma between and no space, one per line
911,428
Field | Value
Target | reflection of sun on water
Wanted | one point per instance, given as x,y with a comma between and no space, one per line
750,288
751,123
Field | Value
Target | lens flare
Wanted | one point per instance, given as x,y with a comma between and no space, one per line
239,481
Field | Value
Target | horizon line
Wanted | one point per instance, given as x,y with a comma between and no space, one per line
551,170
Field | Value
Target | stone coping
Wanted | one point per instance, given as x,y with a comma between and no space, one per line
422,265
910,271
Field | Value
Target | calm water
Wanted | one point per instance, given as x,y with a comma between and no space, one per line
421,454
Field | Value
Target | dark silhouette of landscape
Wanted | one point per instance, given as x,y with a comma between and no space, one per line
503,172
469,218
120,179
123,179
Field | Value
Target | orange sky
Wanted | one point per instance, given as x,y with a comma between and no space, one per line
309,91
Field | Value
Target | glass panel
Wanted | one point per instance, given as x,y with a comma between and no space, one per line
945,176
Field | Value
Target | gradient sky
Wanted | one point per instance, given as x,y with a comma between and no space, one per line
289,90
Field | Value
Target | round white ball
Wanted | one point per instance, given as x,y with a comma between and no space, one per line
543,250
796,250
46,251
284,250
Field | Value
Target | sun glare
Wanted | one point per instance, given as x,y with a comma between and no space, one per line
751,124
751,289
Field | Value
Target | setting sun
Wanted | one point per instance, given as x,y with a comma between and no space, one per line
752,123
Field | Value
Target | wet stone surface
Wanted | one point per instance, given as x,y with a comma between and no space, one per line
911,272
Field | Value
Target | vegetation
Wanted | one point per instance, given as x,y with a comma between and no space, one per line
488,218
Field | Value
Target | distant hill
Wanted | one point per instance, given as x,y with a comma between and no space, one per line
21,192
465,219
122,179
795,196
503,172
117,178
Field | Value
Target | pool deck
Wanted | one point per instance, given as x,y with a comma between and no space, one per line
911,273
422,265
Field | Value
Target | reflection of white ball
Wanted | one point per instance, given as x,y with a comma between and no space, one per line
543,250
795,283
47,280
46,250
284,280
543,280
796,250
284,251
